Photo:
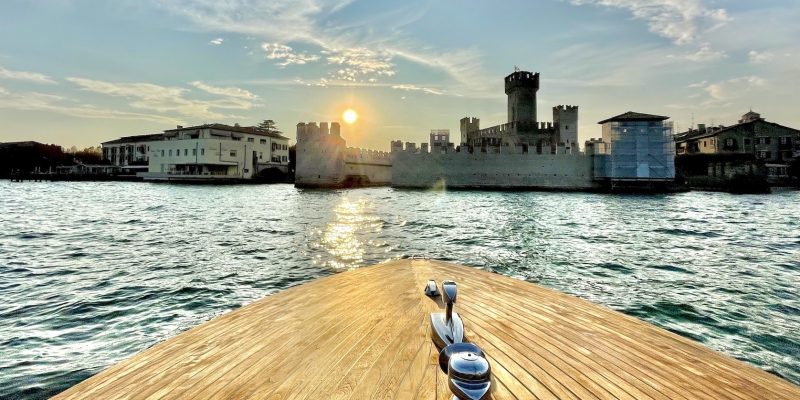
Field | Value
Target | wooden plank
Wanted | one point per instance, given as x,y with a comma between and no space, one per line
365,334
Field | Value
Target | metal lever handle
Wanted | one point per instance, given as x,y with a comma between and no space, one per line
449,294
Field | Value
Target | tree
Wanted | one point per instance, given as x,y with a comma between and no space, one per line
269,126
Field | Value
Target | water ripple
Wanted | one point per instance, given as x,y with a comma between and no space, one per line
91,273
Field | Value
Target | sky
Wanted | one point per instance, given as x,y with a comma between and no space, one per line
80,72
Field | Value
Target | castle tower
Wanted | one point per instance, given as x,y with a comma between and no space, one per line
521,88
565,119
469,124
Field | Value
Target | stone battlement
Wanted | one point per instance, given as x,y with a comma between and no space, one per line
565,108
411,148
309,130
366,156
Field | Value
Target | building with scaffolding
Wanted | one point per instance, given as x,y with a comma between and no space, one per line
636,150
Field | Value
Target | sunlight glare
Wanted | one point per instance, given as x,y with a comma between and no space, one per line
350,116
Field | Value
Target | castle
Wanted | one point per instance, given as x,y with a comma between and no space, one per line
523,133
324,160
522,153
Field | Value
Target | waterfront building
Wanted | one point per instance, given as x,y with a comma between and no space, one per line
216,152
751,147
635,148
29,157
130,152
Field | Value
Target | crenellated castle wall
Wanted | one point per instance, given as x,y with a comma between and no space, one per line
324,160
498,168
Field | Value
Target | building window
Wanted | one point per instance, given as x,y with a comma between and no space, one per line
250,140
763,140
729,142
202,152
786,140
194,152
186,152
764,155
260,155
170,152
263,141
162,153
233,153
283,158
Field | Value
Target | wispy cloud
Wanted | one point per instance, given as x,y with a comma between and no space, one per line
166,99
681,21
286,55
362,51
25,76
356,63
34,101
726,90
415,88
757,57
216,42
703,54
229,91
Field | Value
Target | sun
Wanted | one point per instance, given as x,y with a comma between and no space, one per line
350,116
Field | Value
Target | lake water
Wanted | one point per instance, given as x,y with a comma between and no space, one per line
91,273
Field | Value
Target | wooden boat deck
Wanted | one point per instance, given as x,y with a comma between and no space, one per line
365,334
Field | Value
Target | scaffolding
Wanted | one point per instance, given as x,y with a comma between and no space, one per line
638,150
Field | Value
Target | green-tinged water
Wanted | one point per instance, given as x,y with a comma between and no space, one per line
91,273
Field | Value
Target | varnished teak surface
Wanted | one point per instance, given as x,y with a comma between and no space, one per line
364,334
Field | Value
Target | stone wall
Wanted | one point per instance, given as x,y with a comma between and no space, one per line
492,170
324,160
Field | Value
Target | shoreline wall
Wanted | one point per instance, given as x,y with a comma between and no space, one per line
324,161
492,170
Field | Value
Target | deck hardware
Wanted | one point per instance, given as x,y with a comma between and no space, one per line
431,290
469,375
447,328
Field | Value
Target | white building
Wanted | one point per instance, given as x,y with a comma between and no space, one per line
130,152
215,152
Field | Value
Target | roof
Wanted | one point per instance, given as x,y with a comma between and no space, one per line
698,134
634,116
252,130
137,138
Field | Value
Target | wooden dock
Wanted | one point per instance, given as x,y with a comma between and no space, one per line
364,334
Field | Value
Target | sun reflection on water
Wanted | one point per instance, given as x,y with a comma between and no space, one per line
350,233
